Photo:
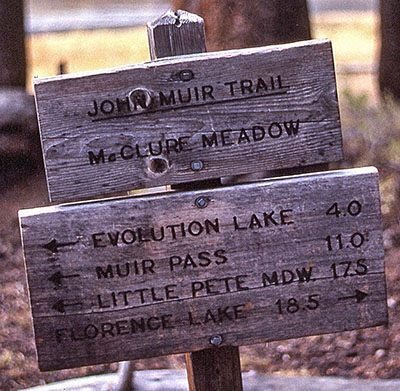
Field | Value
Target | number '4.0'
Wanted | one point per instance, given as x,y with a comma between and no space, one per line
353,209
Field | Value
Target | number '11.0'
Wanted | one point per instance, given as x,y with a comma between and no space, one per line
338,242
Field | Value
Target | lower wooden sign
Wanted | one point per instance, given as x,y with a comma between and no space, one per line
148,276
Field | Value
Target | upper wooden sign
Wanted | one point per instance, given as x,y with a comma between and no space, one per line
190,118
155,275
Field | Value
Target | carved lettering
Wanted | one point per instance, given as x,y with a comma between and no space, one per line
264,220
217,315
287,276
202,259
216,286
126,269
169,232
165,99
115,329
257,133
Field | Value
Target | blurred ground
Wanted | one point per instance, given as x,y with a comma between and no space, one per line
371,137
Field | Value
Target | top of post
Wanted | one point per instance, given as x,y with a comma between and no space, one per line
176,33
176,18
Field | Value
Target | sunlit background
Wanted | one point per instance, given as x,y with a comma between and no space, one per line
115,34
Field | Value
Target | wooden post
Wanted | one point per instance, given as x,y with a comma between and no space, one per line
175,34
214,369
125,376
178,33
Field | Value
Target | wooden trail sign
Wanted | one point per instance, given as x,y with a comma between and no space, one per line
190,118
155,275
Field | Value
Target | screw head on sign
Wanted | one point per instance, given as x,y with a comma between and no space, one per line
196,165
186,75
202,202
216,340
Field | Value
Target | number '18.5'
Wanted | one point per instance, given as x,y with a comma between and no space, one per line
293,305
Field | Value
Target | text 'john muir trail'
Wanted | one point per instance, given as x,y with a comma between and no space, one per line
192,229
186,96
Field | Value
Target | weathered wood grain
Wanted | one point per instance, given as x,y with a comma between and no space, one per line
155,275
245,108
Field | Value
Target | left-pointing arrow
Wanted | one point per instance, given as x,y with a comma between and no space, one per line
57,277
60,306
53,245
359,296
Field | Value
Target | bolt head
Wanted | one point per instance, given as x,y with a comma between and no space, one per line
216,340
186,75
202,202
196,165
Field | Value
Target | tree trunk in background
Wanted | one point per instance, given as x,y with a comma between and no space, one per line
236,24
12,44
20,152
233,24
389,67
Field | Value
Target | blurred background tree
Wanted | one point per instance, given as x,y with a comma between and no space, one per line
12,44
233,24
389,67
20,145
